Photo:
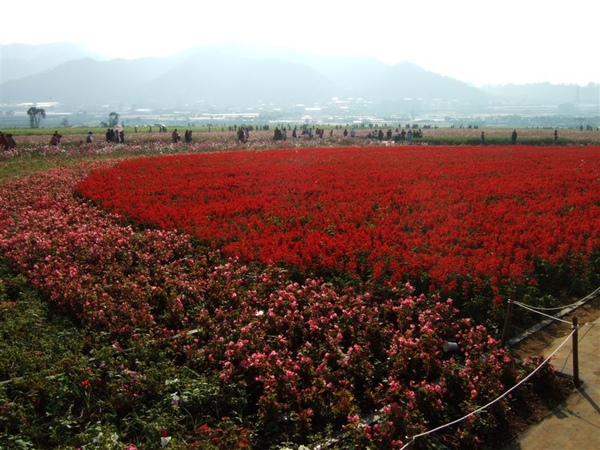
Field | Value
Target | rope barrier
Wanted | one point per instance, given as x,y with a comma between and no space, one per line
478,410
564,311
523,305
575,304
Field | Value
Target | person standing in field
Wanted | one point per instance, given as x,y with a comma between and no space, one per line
89,139
9,142
240,136
514,137
176,137
555,136
55,139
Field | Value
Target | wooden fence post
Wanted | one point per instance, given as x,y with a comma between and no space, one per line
507,320
575,354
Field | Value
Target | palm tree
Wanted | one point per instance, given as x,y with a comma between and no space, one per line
35,115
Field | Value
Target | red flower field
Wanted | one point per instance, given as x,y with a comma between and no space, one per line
454,219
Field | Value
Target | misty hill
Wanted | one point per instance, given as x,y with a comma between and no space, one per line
88,82
217,78
407,80
220,77
345,71
233,76
546,93
21,60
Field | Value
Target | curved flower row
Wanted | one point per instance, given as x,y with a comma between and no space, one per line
302,358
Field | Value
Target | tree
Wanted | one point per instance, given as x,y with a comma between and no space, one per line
113,119
35,115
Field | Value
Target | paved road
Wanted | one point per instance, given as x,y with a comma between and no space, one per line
574,425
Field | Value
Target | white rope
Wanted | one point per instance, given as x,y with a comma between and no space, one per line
577,303
478,410
556,308
523,305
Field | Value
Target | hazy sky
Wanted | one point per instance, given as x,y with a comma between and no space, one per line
477,41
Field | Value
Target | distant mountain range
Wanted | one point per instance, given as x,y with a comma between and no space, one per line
228,76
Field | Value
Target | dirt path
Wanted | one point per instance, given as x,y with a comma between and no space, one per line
575,424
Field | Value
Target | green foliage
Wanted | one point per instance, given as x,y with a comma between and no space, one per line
65,388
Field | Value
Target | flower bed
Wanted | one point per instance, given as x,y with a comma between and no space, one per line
462,221
248,356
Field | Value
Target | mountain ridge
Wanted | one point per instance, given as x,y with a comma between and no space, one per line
224,76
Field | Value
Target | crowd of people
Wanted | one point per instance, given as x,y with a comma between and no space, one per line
280,134
397,136
187,136
116,135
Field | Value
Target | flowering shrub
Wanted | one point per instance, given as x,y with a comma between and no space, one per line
199,349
